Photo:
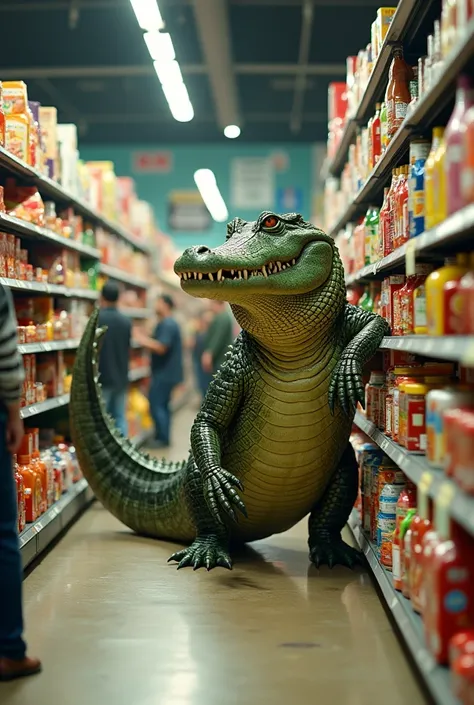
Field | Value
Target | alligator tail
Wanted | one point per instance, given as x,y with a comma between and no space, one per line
145,494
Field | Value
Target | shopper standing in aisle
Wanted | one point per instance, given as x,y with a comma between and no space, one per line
218,338
202,377
166,367
114,355
13,660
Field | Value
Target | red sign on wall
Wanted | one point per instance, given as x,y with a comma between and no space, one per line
152,162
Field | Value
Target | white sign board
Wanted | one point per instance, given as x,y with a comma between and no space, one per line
252,183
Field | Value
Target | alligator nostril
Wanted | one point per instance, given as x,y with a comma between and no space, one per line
202,250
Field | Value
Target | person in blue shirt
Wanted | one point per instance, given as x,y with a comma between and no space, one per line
166,368
114,355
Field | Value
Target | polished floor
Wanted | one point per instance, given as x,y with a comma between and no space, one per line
114,623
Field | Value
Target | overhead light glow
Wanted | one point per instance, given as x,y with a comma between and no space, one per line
178,101
168,73
232,131
148,14
160,46
209,190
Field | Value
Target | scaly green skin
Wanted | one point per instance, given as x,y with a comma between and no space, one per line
270,443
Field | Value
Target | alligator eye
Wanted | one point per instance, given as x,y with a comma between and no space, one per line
270,222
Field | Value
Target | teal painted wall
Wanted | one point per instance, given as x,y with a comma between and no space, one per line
155,187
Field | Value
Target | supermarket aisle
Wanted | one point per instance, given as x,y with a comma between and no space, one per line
114,623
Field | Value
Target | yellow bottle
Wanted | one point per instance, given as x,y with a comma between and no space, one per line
430,208
439,183
454,268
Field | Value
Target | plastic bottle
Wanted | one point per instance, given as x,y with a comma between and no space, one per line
384,224
383,127
455,143
406,502
467,168
430,203
439,183
407,293
419,151
376,137
40,468
419,527
404,220
31,480
454,268
20,494
390,229
397,95
437,402
466,294
396,208
455,310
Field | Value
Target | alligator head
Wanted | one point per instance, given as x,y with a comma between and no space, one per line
278,268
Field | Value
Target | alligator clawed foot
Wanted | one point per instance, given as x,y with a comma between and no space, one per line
333,552
205,552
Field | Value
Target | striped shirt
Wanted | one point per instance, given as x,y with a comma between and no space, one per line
12,372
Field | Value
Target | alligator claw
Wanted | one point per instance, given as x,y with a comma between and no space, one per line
346,385
333,552
221,496
205,552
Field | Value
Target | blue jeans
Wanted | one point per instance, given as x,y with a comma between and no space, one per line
115,402
11,571
160,397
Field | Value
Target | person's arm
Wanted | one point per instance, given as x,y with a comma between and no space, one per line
158,345
12,372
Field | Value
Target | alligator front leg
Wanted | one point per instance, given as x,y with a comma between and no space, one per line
330,515
362,334
211,490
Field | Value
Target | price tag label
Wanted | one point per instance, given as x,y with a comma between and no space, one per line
410,258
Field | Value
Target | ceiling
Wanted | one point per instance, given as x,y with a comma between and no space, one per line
268,62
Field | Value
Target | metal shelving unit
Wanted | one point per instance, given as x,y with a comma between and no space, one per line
30,231
54,191
53,289
425,110
138,374
48,405
415,467
410,626
124,277
39,535
51,346
446,347
452,231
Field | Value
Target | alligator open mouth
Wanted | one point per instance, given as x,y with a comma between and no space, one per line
265,271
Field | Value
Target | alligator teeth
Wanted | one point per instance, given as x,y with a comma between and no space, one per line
185,276
278,264
232,272
293,261
246,274
211,276
240,274
219,275
199,276
195,275
264,271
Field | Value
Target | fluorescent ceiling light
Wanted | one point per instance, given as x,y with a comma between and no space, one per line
168,73
232,131
209,190
148,14
160,46
178,102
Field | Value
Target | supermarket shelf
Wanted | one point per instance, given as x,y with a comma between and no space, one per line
54,191
53,289
36,537
124,277
426,110
138,374
455,228
42,407
51,346
22,228
410,626
414,466
137,312
406,11
459,348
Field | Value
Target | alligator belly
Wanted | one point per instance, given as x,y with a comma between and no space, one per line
286,469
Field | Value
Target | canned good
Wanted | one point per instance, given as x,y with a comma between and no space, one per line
389,498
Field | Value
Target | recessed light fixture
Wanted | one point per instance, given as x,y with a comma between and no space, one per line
232,131
210,194
148,14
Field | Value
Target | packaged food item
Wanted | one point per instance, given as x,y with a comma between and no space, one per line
372,400
405,549
15,97
453,441
41,469
406,502
419,151
419,527
48,119
2,119
383,22
401,375
17,136
397,95
431,204
370,455
455,133
454,268
386,520
461,448
407,297
20,494
454,301
383,127
376,138
439,401
461,643
415,428
463,679
31,481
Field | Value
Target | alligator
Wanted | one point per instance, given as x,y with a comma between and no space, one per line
270,443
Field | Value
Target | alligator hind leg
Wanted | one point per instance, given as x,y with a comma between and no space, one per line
330,515
210,548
